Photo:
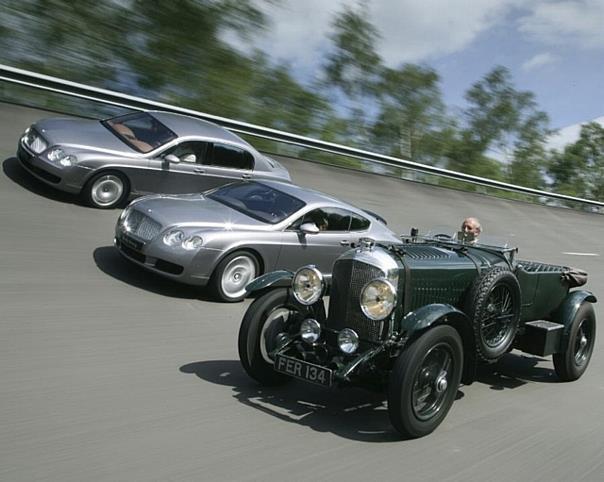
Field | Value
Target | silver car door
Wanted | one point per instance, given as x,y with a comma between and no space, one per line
180,169
321,249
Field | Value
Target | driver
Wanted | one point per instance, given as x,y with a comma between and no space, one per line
470,230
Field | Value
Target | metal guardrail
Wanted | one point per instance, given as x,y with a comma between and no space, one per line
74,89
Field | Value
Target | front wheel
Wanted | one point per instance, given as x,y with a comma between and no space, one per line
233,274
571,363
270,315
106,190
424,380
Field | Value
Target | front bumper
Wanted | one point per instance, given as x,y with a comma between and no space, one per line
189,267
69,179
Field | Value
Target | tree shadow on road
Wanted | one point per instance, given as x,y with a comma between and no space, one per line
514,370
111,262
16,173
350,413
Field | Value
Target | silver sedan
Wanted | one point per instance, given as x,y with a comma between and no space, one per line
226,237
145,152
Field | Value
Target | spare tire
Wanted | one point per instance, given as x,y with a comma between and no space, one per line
493,305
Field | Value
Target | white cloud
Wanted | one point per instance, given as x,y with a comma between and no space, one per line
539,60
569,134
578,22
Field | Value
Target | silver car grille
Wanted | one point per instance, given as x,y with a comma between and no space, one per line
348,279
141,225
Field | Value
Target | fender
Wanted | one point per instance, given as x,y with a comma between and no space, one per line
426,316
274,279
565,313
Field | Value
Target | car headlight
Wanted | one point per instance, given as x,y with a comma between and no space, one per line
56,154
378,299
348,341
308,285
34,141
193,242
310,330
174,238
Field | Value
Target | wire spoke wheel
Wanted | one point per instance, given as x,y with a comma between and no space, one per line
276,322
572,361
496,324
583,342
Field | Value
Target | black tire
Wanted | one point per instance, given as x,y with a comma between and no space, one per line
233,274
579,345
493,305
257,339
106,190
432,365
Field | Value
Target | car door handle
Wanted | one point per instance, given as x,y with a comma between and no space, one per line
199,170
345,242
246,176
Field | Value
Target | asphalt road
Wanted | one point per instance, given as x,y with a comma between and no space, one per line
109,373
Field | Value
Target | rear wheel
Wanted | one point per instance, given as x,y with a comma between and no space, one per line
106,190
424,380
573,361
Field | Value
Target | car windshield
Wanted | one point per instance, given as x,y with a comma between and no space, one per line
141,131
258,201
448,234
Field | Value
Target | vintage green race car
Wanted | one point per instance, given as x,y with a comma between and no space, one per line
415,319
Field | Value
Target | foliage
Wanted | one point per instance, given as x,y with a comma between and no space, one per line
579,169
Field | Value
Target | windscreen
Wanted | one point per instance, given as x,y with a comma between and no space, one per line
258,201
453,235
141,131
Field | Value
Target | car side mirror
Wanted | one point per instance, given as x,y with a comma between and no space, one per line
309,228
172,158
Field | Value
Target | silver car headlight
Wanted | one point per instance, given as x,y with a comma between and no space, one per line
378,298
34,141
348,341
308,285
174,237
192,242
56,154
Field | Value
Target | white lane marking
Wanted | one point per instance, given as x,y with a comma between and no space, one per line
580,254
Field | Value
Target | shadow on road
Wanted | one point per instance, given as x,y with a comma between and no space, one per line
514,370
109,261
351,413
20,176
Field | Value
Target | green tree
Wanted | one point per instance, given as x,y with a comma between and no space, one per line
412,115
501,118
578,170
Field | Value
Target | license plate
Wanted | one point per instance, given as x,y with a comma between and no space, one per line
304,370
131,243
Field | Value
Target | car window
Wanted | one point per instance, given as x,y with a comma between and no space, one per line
190,152
224,155
258,201
141,131
358,223
326,219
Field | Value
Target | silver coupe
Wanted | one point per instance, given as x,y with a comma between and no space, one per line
228,236
146,152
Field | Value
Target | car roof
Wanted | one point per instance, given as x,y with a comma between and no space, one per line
184,125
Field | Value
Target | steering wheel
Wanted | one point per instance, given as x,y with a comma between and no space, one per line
442,236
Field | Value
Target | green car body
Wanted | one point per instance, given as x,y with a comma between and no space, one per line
416,319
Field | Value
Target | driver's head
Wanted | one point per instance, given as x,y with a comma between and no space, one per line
471,226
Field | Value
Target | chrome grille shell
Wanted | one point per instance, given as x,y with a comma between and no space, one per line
141,225
351,273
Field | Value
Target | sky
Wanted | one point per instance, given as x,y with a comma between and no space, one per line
554,48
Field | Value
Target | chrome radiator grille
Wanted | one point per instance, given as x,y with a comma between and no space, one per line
141,225
348,279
